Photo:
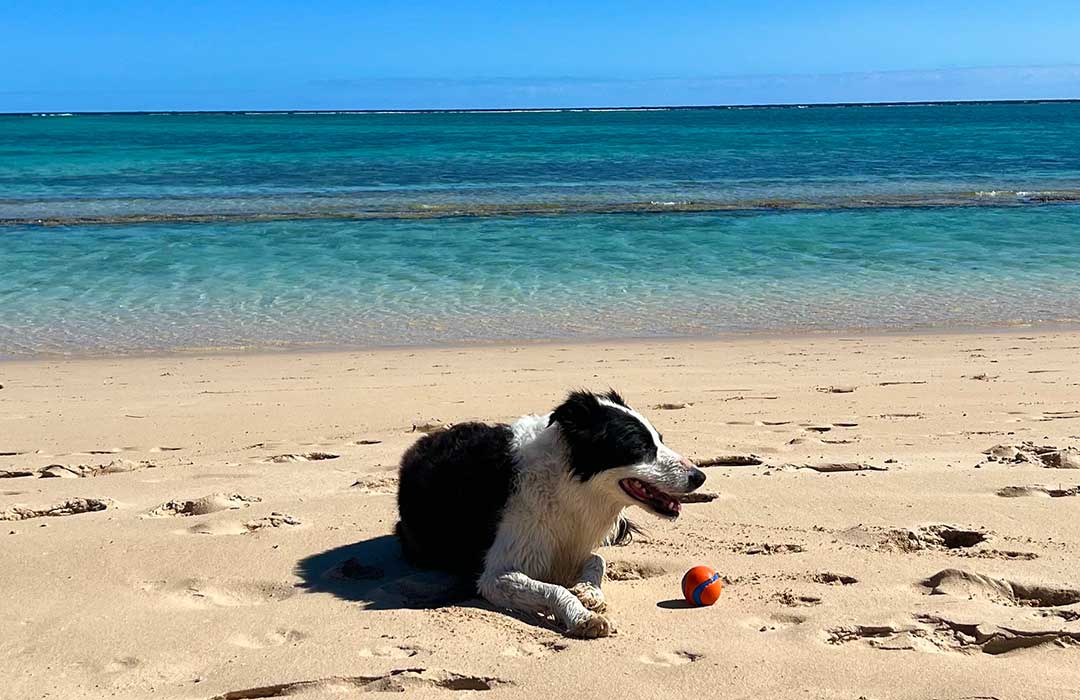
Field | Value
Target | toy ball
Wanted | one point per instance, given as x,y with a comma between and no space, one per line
701,586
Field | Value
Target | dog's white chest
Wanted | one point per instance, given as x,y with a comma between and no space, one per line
545,544
552,522
548,531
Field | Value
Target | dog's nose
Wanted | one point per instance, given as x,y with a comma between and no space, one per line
697,478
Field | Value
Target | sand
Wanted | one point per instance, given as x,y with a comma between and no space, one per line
218,526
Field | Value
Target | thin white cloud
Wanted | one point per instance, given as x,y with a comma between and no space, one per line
981,83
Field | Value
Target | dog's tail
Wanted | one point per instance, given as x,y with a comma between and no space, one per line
623,532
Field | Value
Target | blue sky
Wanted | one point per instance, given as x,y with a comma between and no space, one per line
271,54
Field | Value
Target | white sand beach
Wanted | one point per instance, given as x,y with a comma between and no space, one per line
238,509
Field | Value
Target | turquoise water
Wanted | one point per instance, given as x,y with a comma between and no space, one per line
134,233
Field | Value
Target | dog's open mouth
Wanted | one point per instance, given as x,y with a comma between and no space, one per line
652,497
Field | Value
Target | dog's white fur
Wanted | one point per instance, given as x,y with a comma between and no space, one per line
543,559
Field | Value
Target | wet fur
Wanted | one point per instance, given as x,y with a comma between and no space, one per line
523,507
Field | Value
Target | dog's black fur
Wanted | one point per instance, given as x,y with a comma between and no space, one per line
453,486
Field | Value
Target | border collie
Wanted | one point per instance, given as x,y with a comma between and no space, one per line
521,507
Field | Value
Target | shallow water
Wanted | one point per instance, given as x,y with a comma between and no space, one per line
231,230
105,288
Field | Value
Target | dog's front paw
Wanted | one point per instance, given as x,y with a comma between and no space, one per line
590,596
592,626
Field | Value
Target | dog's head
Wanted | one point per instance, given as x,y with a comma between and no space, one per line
615,448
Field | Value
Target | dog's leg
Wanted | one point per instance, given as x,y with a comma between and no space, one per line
515,590
587,588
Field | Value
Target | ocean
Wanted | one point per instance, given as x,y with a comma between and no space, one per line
149,232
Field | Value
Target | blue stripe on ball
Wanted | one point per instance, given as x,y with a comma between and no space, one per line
701,588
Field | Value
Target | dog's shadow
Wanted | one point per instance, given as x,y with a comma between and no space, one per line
375,573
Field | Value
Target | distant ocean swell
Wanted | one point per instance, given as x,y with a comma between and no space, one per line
217,211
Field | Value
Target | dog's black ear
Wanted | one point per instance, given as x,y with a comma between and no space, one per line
613,397
600,436
578,414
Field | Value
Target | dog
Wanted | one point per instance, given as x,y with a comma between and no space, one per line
522,507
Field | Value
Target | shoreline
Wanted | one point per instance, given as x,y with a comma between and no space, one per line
786,335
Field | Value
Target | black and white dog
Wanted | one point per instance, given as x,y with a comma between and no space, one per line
521,507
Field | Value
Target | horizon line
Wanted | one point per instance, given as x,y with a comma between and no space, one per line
481,110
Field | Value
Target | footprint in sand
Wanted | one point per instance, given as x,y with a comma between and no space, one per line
671,658
235,527
1044,491
932,537
533,650
430,427
396,681
377,484
389,651
698,497
72,506
122,664
729,461
273,638
202,594
833,579
968,584
775,622
632,570
14,473
203,506
935,633
274,520
1059,415
219,527
767,548
82,471
836,467
305,457
794,600
1047,456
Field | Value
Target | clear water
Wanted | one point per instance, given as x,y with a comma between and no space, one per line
181,231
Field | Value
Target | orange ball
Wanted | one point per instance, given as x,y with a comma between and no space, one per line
701,586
